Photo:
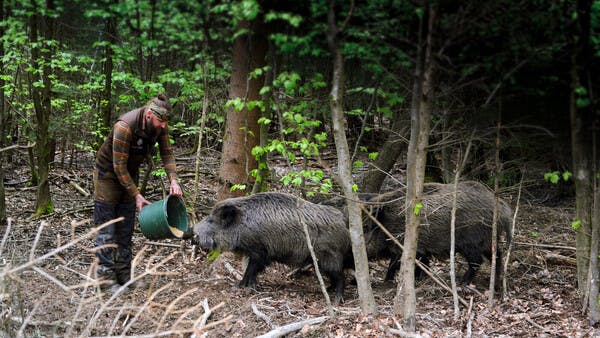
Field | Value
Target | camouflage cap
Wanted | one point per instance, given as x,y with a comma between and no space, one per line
160,112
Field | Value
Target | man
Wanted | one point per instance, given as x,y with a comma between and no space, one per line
116,176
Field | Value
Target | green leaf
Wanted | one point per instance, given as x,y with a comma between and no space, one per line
237,187
417,208
213,254
534,234
576,224
566,175
552,177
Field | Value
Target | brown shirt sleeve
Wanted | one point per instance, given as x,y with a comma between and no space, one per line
166,153
121,141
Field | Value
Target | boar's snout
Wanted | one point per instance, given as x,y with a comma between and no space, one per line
203,237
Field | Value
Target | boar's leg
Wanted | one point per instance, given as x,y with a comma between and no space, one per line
332,264
474,259
256,264
337,278
394,266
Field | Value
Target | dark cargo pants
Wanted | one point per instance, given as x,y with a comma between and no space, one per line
114,263
112,201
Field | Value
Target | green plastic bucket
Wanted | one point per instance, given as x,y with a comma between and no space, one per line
166,218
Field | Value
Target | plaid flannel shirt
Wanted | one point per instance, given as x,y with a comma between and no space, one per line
121,142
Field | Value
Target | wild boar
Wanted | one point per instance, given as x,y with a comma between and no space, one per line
474,213
268,227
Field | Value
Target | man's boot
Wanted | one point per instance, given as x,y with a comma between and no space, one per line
108,279
123,269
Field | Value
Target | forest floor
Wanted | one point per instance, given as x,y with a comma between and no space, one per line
55,296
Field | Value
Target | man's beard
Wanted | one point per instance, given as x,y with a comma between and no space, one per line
151,131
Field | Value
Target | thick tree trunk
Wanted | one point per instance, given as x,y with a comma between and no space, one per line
365,293
405,301
242,131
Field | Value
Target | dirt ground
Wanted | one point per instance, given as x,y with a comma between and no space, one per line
48,291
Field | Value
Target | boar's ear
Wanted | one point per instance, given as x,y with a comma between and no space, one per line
228,214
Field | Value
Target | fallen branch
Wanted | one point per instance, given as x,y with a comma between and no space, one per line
404,334
232,271
539,326
162,244
59,249
77,187
201,322
18,146
556,258
286,329
548,246
262,316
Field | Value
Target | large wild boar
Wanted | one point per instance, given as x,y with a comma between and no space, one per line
474,213
268,227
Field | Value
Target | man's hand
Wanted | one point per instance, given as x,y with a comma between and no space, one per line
175,189
140,201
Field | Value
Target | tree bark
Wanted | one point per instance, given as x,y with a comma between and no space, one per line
388,155
3,122
110,36
497,170
242,131
581,121
405,300
41,96
262,161
365,293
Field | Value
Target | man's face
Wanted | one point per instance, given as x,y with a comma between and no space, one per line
154,125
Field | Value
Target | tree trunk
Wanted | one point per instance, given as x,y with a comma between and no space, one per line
388,155
110,36
497,171
365,293
594,273
581,121
43,24
242,131
3,123
405,301
262,161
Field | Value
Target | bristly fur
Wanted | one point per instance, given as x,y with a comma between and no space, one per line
268,227
474,215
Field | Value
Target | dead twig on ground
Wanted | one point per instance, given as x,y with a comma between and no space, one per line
201,321
286,329
558,259
262,316
162,244
547,246
530,321
232,271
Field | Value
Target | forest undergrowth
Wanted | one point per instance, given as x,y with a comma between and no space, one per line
47,287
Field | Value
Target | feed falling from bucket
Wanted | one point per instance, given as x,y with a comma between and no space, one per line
163,219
